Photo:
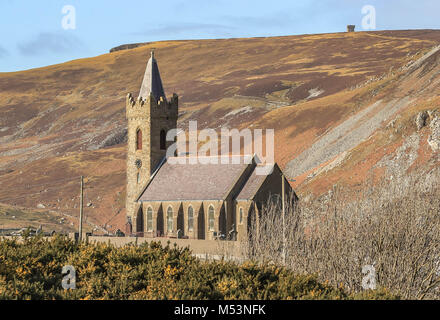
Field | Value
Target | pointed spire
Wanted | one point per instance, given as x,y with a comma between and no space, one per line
152,82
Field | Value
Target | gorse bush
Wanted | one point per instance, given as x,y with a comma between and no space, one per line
31,269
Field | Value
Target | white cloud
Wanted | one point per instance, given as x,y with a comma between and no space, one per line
50,43
3,52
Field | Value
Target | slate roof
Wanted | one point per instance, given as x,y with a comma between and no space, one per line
251,187
152,81
179,182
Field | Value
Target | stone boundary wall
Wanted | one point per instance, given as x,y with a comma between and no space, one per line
215,249
204,249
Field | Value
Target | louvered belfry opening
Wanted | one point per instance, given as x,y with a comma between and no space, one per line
163,141
139,139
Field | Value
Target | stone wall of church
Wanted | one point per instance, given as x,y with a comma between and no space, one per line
223,212
178,226
271,189
151,117
199,221
219,211
242,222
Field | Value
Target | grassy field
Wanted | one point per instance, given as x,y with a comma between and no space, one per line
15,218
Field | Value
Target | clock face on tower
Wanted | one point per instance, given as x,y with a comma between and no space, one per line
138,163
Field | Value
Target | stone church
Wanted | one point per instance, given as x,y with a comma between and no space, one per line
193,201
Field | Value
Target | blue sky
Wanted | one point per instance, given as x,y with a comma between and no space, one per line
31,32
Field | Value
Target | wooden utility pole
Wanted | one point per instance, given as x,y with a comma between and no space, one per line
284,221
81,209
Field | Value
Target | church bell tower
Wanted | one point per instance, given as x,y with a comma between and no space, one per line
149,117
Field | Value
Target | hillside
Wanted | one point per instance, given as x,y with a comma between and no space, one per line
342,105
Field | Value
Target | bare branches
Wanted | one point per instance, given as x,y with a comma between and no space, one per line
394,226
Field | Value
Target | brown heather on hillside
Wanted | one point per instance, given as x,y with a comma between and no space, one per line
67,120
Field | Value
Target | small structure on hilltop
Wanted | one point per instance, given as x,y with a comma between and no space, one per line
350,28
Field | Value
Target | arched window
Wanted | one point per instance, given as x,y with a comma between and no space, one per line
211,218
170,219
241,215
190,218
163,140
138,178
140,222
149,219
139,139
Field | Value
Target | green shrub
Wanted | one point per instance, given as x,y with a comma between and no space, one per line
32,270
